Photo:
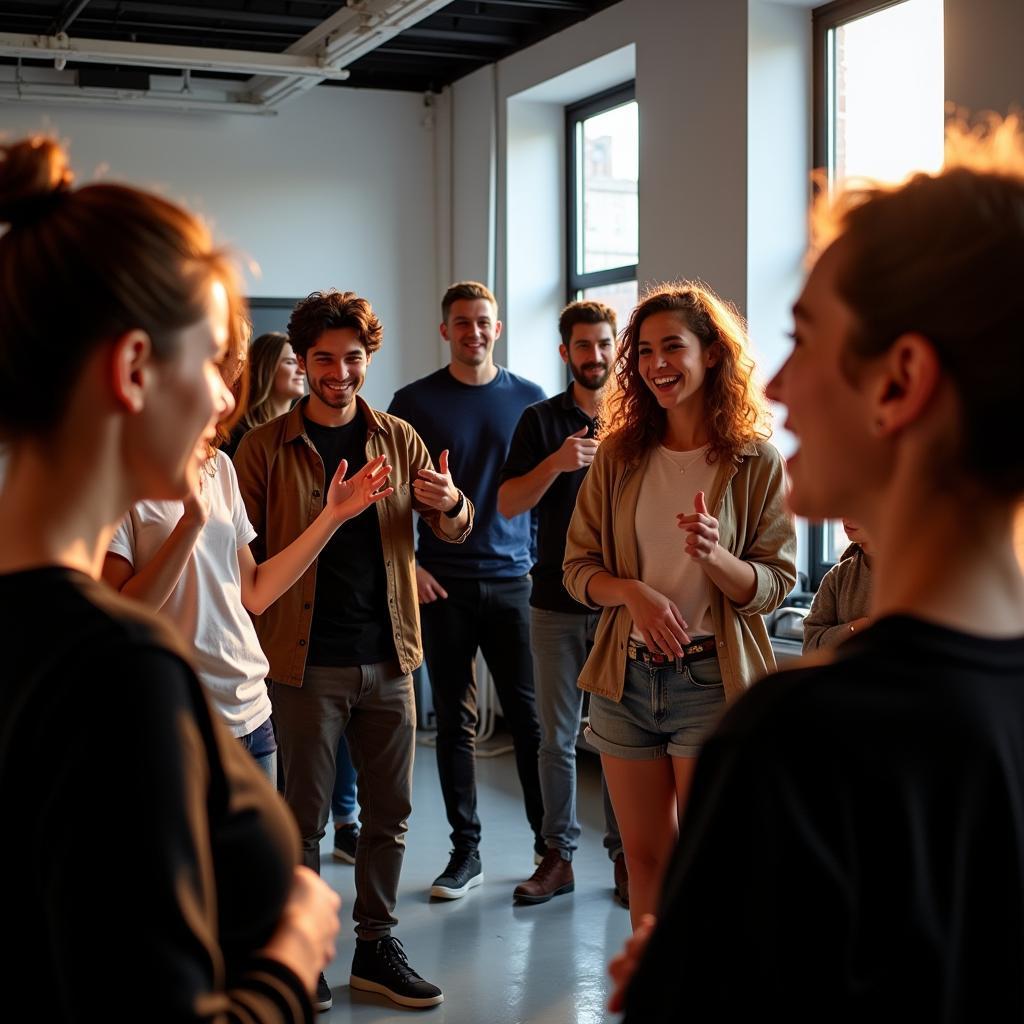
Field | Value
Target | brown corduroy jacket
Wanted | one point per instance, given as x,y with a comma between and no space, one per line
754,524
282,480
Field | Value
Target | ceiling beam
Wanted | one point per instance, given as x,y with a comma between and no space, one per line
106,97
61,49
354,30
455,36
198,16
567,6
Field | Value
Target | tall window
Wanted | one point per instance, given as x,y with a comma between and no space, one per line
879,113
602,157
881,94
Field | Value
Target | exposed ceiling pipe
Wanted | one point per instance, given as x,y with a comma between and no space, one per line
151,55
71,10
179,102
357,28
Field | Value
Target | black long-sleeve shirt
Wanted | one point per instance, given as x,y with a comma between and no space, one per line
853,848
144,858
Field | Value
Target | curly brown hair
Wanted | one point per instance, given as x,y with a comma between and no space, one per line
330,311
734,403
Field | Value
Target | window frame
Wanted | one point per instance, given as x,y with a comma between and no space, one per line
577,282
823,20
817,564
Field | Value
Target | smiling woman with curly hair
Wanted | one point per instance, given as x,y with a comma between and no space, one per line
734,405
682,537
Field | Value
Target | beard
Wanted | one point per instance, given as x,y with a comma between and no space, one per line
593,382
333,399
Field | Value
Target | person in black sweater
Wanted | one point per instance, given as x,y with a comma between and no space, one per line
854,844
103,724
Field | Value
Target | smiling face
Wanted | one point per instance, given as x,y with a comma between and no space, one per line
335,367
590,354
839,465
188,397
289,380
472,328
671,361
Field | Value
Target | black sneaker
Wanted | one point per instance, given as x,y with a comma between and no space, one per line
380,965
464,872
345,839
323,1000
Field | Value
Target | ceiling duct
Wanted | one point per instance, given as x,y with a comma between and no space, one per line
355,30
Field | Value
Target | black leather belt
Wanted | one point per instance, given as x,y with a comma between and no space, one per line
699,650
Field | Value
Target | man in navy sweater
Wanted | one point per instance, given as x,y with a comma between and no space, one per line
475,597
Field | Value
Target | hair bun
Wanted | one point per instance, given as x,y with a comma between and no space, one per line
34,177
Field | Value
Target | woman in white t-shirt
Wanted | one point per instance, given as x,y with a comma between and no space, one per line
191,561
681,632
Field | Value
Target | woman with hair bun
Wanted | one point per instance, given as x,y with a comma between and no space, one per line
854,845
116,315
682,537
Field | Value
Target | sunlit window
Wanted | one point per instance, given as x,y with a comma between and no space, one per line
603,230
884,91
621,297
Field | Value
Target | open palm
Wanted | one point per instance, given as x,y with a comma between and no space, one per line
347,498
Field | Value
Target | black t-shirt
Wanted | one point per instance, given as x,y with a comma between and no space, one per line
853,848
542,429
351,622
107,737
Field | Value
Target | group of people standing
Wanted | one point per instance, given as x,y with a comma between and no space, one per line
843,840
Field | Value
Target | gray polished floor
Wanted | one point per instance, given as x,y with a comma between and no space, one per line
497,963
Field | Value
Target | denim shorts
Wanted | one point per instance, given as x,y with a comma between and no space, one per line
662,711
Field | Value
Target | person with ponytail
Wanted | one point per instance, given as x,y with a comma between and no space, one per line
172,890
682,539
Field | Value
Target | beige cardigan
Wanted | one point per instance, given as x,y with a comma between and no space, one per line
748,501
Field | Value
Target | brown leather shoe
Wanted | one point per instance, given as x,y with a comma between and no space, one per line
552,878
621,880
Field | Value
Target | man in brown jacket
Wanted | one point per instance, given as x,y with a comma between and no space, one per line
344,639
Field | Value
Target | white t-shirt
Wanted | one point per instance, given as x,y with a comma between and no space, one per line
670,485
206,604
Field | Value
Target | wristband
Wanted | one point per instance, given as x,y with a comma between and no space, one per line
456,509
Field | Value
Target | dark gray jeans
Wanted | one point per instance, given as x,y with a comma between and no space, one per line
561,642
373,706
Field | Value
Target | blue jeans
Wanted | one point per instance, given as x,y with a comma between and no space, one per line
662,711
561,642
343,799
263,747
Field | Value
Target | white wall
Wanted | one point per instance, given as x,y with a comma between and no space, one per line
984,43
536,282
778,185
690,62
336,191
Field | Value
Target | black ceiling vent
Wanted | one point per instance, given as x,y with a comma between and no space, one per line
96,76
